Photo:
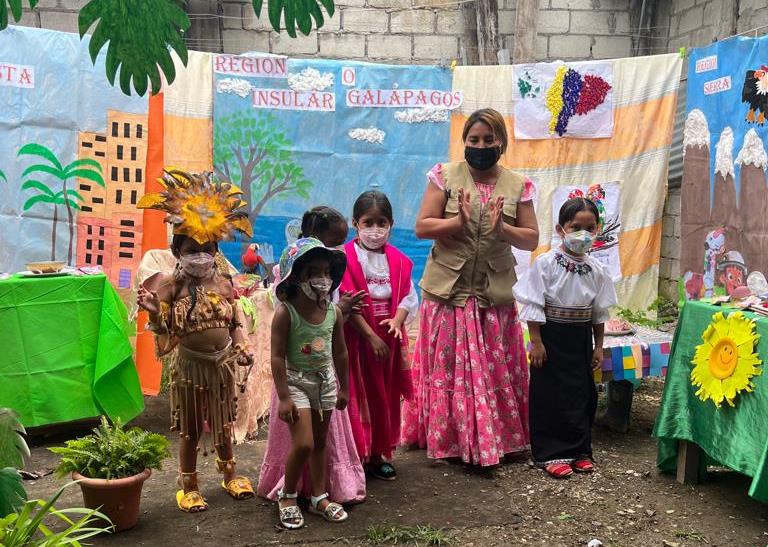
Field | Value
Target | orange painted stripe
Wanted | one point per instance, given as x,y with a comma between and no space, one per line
154,237
638,249
635,132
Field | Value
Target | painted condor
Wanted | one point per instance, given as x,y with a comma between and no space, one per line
755,92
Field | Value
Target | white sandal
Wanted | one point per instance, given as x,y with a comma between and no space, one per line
333,512
290,517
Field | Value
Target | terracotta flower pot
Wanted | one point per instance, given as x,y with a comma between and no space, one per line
119,499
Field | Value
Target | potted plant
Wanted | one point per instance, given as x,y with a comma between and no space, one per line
111,466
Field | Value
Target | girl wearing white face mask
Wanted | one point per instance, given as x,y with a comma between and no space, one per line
376,338
565,298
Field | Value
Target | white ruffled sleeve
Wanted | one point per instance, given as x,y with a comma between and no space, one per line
411,304
605,299
529,293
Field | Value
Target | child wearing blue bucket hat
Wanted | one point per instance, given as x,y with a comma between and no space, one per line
309,359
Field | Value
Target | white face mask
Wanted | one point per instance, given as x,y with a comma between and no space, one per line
317,287
373,238
579,242
199,265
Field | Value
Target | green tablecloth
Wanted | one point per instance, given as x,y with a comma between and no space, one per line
734,437
64,351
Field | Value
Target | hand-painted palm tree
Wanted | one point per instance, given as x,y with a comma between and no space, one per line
84,168
47,196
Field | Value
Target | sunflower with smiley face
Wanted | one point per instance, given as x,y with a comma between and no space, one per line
726,362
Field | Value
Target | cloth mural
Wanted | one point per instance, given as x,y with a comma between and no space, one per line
724,193
635,156
298,133
72,157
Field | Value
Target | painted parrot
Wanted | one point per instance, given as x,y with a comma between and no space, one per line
253,263
755,93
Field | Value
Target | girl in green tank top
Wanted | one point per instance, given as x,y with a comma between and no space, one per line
309,367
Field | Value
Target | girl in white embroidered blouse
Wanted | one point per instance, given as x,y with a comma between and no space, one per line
565,299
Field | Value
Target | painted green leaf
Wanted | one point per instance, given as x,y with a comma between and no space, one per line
2,176
40,198
87,162
16,11
296,14
37,185
76,194
34,149
40,168
87,174
140,35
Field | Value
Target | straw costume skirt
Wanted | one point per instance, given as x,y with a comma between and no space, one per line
203,386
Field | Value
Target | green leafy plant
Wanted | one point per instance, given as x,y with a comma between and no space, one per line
13,450
296,14
112,452
85,168
16,12
254,154
26,528
660,312
418,535
140,36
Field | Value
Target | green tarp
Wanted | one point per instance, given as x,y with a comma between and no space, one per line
736,437
65,352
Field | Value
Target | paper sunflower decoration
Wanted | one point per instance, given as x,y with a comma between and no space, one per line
725,363
200,207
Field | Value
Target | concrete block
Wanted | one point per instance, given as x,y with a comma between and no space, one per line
364,20
389,47
412,22
240,41
570,47
74,5
282,44
349,4
682,5
28,19
572,4
672,203
251,22
554,22
593,22
65,21
507,21
611,47
392,3
435,47
690,20
542,48
670,247
233,15
451,22
342,46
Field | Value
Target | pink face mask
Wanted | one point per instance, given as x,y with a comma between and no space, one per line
373,238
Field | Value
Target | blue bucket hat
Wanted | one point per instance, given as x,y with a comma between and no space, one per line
305,249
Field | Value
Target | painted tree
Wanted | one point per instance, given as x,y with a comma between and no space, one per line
253,153
84,168
141,34
47,196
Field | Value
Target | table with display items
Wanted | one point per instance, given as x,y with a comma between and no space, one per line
66,353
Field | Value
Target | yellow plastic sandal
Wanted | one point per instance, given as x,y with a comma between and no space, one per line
239,488
191,502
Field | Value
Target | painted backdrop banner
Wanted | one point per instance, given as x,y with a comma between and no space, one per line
294,134
631,164
724,192
72,158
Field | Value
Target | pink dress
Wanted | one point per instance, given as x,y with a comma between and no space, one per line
344,474
470,377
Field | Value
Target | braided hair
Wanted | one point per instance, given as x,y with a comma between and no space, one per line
319,220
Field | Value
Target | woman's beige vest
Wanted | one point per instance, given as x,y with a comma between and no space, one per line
473,262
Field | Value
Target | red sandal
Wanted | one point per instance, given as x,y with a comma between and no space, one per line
583,466
559,470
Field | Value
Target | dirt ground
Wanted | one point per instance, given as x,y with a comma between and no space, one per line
626,503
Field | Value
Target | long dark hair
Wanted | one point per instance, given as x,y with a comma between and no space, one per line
193,284
372,199
574,206
319,220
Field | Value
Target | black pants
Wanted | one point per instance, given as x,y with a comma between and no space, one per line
563,396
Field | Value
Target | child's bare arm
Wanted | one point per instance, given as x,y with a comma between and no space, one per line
599,332
538,352
341,360
281,323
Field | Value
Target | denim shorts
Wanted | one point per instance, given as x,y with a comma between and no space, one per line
313,389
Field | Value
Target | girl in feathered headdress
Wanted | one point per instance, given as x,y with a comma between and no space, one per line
193,310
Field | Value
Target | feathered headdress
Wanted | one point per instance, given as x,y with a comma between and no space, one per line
200,207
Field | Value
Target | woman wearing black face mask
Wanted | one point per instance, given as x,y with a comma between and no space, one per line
470,369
